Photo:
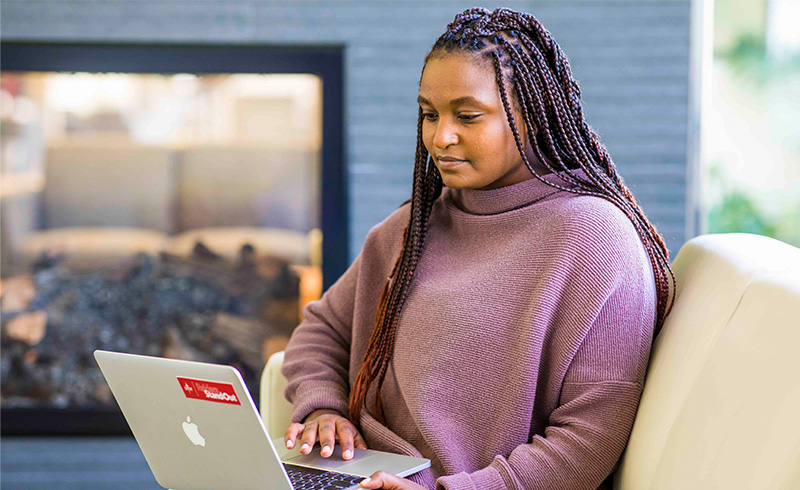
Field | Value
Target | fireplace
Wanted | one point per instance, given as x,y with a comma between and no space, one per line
174,248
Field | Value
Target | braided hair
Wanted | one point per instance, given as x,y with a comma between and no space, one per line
521,51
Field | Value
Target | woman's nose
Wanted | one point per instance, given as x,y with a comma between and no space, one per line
444,135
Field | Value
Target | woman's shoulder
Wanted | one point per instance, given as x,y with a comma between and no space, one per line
592,217
388,234
595,231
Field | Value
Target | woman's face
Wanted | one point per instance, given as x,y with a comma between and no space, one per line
464,119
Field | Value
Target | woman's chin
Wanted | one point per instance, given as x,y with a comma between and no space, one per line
456,183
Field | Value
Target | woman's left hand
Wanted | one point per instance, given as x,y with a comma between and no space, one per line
387,481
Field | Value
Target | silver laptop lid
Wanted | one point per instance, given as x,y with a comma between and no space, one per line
195,423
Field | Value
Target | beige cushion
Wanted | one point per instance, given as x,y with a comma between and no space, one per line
722,394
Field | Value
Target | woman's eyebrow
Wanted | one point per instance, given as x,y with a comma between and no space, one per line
467,99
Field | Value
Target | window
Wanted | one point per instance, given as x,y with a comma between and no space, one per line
751,142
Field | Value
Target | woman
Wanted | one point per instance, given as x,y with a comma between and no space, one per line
510,341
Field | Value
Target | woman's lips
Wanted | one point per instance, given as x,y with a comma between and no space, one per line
448,164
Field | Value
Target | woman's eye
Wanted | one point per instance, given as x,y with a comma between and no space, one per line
464,117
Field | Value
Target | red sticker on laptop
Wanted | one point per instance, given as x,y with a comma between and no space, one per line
208,390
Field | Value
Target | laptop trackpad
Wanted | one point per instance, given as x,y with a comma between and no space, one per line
364,462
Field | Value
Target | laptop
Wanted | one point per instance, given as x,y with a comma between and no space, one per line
199,428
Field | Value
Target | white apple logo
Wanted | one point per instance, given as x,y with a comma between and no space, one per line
192,433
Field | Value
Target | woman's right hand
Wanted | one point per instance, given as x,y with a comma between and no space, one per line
331,426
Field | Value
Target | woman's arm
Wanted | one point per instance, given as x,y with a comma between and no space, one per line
586,433
581,446
317,359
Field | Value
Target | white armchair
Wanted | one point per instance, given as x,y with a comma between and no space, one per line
721,402
276,411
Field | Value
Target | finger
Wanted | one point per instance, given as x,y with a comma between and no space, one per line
291,434
327,434
309,437
359,441
346,433
381,479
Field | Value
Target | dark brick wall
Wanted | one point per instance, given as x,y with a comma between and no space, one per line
631,58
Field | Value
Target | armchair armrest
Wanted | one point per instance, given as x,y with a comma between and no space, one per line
275,409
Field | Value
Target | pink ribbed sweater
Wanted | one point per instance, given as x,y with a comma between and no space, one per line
521,351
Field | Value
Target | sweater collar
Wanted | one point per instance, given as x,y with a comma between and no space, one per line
475,201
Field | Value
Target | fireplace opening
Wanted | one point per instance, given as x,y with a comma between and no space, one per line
177,201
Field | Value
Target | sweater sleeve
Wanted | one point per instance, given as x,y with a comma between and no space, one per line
581,446
589,429
317,358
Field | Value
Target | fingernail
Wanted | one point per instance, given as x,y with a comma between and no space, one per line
326,450
290,444
348,454
303,447
365,481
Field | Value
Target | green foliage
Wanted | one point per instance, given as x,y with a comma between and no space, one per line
738,213
764,76
748,59
788,225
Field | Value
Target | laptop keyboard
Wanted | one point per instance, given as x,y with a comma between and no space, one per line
312,479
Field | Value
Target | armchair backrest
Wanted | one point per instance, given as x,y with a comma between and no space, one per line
721,402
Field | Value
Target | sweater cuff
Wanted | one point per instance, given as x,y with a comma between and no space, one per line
488,478
315,395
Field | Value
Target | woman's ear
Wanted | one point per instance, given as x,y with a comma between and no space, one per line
522,128
527,142
524,134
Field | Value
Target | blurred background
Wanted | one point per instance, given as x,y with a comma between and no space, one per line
751,129
181,178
